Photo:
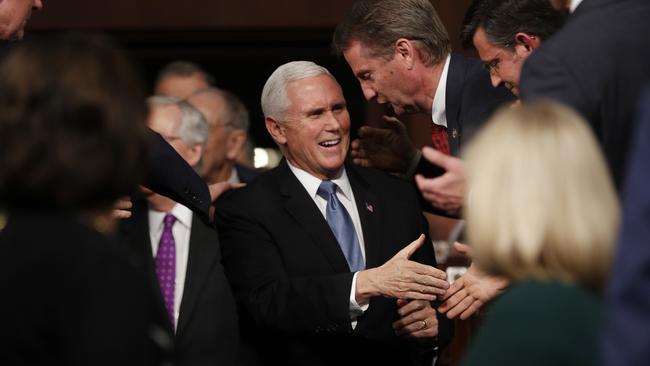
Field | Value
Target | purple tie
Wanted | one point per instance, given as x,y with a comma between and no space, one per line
166,265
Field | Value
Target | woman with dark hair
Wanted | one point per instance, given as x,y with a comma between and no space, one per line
72,137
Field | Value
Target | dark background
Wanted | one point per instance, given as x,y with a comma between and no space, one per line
239,42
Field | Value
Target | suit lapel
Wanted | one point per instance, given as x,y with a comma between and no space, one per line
203,253
303,210
368,207
454,88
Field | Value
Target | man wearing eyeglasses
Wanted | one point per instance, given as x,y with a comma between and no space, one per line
506,32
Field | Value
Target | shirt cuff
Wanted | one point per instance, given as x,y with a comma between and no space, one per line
356,309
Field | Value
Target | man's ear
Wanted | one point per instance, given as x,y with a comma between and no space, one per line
276,130
234,143
194,155
405,52
526,43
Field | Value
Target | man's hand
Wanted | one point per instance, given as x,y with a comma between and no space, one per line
388,149
417,320
217,189
402,278
121,208
446,191
469,292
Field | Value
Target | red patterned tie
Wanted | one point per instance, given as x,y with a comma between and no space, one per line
439,137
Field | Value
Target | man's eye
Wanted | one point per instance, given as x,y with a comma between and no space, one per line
365,76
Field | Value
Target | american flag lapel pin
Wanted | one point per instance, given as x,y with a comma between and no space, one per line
369,207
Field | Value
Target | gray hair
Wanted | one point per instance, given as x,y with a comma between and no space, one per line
275,101
193,129
378,24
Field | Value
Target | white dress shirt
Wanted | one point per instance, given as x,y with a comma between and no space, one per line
181,230
234,177
574,5
438,110
438,113
346,196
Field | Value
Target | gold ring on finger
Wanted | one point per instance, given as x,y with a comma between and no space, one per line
424,324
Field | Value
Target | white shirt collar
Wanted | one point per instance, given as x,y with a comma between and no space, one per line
574,5
182,214
438,115
312,183
234,177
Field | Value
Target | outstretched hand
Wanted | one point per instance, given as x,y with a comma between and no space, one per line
402,278
470,291
386,148
446,191
122,208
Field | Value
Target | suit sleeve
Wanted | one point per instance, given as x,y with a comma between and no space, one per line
626,337
168,174
255,268
544,77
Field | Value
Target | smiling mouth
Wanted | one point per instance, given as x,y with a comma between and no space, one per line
330,143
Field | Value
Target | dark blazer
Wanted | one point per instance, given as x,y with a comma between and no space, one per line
246,174
70,295
540,323
168,174
626,334
598,64
290,277
207,332
470,101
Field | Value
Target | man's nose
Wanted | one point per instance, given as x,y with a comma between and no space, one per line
368,92
496,80
37,5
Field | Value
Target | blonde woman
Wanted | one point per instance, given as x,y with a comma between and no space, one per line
542,212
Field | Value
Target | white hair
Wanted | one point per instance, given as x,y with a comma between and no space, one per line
193,129
275,101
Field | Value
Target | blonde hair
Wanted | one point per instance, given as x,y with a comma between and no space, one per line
542,202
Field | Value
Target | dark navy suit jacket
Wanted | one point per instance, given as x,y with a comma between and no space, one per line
627,334
598,64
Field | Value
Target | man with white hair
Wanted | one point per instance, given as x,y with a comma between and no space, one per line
321,268
182,252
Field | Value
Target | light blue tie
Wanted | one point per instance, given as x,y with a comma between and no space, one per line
340,222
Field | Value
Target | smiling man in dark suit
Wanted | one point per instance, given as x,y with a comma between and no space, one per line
182,255
316,250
